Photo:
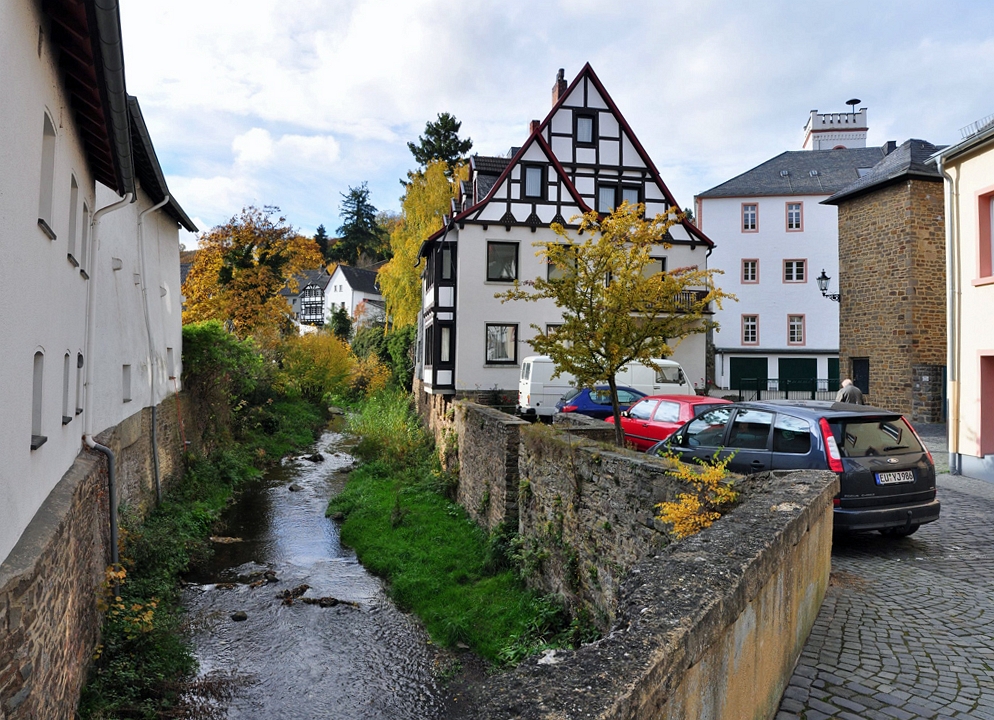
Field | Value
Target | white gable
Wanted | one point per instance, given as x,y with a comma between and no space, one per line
562,121
631,156
594,99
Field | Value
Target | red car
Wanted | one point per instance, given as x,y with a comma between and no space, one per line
656,417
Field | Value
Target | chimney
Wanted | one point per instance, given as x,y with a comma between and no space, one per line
890,146
559,89
533,126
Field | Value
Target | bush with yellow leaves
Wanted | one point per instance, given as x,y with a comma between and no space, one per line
694,511
316,365
369,376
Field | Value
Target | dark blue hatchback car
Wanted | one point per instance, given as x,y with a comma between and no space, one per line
886,474
596,402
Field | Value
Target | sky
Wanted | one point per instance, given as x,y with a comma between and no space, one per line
292,102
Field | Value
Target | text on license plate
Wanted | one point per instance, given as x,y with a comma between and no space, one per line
904,476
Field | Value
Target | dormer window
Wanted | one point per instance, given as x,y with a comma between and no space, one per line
534,183
584,129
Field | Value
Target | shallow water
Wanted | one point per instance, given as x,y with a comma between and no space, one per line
361,658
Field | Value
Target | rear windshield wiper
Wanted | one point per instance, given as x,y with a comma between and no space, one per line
895,447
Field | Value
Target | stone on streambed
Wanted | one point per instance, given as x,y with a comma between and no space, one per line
239,616
315,458
294,487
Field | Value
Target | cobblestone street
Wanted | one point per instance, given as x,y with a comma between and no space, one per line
907,627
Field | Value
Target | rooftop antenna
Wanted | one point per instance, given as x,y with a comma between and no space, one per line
852,106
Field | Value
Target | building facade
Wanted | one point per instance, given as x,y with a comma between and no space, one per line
775,237
892,282
582,156
90,335
968,170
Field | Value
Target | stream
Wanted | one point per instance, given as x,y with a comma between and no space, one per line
354,655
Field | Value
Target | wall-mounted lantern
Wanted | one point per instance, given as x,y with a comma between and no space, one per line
823,281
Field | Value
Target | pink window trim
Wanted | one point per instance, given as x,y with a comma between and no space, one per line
783,275
742,217
742,329
742,272
786,217
804,330
985,376
985,263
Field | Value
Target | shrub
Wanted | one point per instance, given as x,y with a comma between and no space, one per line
387,427
369,376
315,365
692,512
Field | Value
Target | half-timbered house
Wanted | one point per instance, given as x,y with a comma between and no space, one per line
583,156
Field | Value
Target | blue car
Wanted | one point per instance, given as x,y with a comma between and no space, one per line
596,402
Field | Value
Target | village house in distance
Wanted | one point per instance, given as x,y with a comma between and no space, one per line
775,237
582,156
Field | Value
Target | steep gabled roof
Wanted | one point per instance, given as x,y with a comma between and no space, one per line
488,164
808,172
360,279
87,39
588,72
909,160
318,277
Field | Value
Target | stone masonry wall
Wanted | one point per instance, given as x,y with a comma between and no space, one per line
710,627
587,515
892,287
49,623
488,463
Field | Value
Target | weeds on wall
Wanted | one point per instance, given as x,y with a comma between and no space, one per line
463,582
712,495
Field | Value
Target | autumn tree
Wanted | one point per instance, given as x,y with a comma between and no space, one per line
616,309
441,141
428,198
360,234
240,270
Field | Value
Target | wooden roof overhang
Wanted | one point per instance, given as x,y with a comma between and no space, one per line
86,37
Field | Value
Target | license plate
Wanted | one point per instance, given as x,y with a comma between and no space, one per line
892,478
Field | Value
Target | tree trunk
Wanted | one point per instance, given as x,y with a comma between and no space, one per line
619,436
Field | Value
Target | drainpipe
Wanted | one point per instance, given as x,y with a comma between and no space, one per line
151,348
88,405
952,315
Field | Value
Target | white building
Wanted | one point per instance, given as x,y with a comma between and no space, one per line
90,331
355,290
582,156
774,239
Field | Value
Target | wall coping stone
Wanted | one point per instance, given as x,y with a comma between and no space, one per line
672,608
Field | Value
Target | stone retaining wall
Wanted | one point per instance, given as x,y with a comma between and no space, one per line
710,627
49,623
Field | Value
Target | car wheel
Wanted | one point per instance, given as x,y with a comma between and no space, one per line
900,532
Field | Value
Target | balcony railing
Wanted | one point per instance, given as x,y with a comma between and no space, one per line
784,389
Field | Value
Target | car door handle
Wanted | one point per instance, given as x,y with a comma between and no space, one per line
758,464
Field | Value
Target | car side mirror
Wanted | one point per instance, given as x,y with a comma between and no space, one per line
624,413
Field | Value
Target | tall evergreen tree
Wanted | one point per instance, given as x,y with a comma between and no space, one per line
321,238
441,141
359,233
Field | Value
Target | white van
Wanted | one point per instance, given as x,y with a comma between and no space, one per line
538,392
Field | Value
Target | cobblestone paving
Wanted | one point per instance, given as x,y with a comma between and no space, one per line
907,627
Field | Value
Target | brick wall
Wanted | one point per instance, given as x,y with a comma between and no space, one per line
892,281
49,623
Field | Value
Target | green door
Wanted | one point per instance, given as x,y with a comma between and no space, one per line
748,375
833,374
797,375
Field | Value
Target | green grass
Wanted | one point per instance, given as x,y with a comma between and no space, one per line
440,565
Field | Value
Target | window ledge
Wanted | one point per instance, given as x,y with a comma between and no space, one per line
38,440
86,275
980,282
500,364
66,419
79,411
73,261
47,229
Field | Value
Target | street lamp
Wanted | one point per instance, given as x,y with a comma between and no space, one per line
822,281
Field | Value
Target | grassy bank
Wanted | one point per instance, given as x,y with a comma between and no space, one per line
144,657
461,581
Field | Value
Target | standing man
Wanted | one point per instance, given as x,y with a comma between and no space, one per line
849,393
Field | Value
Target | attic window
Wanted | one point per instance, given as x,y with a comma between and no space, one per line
813,173
863,171
534,187
584,128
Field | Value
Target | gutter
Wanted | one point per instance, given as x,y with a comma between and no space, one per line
953,294
151,347
88,405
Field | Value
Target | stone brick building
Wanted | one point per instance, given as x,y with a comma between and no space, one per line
892,283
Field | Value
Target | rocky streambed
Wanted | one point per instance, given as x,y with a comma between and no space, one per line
289,620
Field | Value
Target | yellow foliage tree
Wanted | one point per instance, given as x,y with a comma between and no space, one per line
428,198
316,365
616,310
694,511
241,268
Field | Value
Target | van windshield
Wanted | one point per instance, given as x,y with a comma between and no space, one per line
669,375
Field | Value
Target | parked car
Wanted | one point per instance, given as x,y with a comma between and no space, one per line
886,474
656,417
596,402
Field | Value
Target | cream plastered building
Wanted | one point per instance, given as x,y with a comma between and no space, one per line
968,170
